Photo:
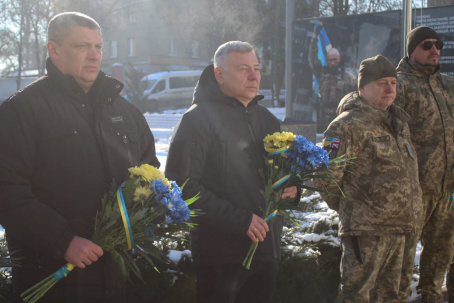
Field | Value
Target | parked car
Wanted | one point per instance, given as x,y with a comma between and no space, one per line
169,90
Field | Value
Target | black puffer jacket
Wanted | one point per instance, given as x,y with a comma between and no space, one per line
218,146
60,150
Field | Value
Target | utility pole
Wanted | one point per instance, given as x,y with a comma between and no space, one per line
406,26
289,16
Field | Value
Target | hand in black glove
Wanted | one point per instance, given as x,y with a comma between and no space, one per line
317,28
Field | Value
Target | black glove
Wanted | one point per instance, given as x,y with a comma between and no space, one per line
317,28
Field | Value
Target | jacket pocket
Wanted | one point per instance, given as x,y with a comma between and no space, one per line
129,146
59,132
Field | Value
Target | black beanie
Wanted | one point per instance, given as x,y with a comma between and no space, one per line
375,68
419,34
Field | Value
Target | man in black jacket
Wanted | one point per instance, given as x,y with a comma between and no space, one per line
218,147
63,140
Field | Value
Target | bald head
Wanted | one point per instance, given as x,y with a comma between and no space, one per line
333,57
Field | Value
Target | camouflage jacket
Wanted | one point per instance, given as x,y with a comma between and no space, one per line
381,192
332,86
428,97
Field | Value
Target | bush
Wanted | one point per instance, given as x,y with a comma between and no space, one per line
135,88
311,256
5,270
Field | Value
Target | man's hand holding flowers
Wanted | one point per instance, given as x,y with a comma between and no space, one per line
258,227
289,192
82,252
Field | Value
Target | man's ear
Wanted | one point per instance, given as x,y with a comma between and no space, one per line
361,90
52,49
218,75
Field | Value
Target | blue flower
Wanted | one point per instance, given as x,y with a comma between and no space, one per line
306,156
158,187
178,210
161,191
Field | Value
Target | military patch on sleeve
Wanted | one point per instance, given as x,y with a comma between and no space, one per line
331,145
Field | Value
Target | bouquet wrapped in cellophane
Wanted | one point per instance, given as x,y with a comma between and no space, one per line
145,208
291,161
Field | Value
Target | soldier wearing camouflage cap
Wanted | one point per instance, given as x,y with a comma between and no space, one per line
377,196
427,96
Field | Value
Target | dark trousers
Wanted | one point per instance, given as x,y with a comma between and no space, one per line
232,283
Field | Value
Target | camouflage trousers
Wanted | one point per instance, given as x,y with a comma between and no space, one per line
376,278
450,282
408,263
437,240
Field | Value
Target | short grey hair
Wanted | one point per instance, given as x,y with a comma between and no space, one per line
231,46
61,24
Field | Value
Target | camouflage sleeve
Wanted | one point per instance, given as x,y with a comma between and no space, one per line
336,142
400,95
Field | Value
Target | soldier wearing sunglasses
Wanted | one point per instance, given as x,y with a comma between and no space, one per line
427,95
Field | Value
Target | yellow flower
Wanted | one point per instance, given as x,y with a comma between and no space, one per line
278,141
148,173
141,193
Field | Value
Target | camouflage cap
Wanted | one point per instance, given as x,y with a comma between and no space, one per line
419,34
375,68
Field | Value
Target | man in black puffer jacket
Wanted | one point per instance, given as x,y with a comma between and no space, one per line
63,140
218,146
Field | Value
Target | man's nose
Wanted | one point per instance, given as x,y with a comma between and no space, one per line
390,87
94,53
254,74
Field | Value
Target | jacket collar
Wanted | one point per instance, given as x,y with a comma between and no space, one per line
104,89
208,89
408,66
354,101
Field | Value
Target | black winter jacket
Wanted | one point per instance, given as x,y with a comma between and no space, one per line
60,150
218,146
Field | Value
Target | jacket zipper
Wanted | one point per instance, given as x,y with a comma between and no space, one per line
246,116
125,141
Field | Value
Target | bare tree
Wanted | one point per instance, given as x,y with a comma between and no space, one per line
23,34
345,7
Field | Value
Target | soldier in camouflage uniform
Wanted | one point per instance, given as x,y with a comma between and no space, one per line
380,191
428,98
333,81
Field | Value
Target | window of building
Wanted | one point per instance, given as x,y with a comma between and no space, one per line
115,17
173,47
132,15
195,49
131,47
113,48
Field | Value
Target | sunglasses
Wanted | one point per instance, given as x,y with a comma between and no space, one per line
427,45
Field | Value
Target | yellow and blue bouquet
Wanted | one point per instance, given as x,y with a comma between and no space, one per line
291,161
145,208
